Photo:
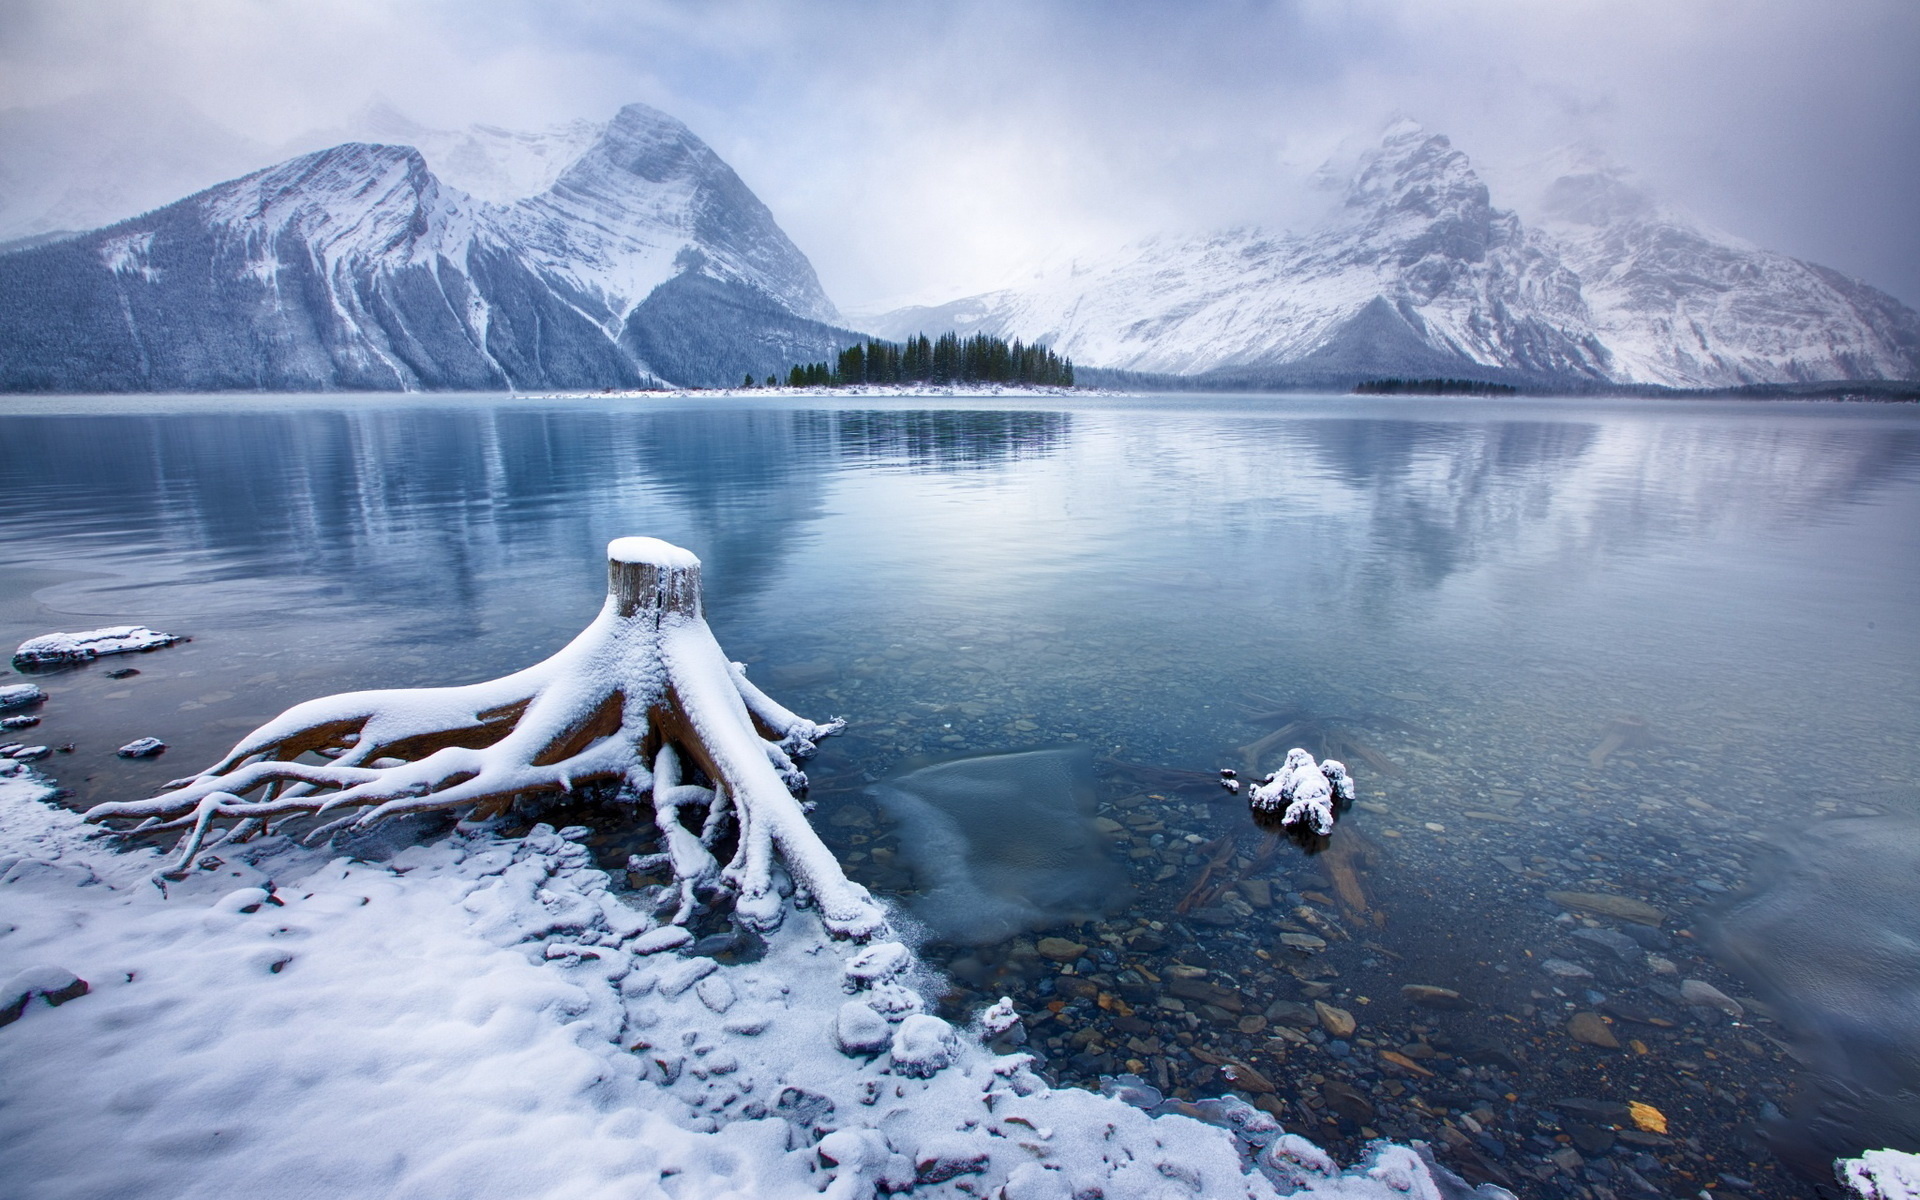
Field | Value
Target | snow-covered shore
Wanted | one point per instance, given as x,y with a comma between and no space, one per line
470,1018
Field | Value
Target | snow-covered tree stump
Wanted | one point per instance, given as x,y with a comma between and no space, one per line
643,697
1308,796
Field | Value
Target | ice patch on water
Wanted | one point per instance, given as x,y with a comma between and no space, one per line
1830,937
1003,842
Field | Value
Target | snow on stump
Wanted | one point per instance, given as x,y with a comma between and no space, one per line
643,699
60,649
1308,795
1880,1175
56,984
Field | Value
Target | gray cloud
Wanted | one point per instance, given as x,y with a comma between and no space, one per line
929,149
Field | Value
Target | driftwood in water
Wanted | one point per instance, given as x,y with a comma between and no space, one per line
1324,736
643,699
1201,894
1325,739
1347,849
1169,779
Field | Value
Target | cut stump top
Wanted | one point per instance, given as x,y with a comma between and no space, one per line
647,575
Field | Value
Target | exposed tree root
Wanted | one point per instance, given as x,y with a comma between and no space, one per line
644,698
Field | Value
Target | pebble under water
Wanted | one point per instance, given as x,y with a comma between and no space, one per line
1617,684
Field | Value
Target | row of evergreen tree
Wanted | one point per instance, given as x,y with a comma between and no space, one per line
1432,387
947,359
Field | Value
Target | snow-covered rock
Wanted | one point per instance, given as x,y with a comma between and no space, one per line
19,695
923,1045
51,649
1419,274
56,985
146,747
858,1029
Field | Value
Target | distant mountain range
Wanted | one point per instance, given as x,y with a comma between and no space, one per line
1419,275
629,255
645,262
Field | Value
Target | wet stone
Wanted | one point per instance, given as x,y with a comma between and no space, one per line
1613,942
1609,905
1701,994
1346,1102
1590,1028
1292,1012
1430,996
1060,949
1338,1022
1560,968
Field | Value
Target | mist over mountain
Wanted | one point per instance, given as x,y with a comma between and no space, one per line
644,261
106,156
1419,274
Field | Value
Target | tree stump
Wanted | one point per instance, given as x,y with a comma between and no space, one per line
641,695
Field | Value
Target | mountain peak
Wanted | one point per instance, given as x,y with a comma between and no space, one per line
357,175
1596,197
648,170
1416,171
1401,128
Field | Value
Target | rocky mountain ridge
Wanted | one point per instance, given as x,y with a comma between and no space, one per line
647,261
1419,274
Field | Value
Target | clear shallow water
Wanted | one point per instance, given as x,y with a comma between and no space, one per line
1474,592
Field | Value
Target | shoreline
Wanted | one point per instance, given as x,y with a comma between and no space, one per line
468,1014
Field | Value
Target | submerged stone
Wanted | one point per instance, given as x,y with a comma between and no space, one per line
1608,905
1590,1028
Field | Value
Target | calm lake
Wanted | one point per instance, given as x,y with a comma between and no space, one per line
1655,652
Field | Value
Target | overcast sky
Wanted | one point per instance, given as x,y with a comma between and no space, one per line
918,151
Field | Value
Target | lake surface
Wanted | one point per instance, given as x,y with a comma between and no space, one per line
1626,649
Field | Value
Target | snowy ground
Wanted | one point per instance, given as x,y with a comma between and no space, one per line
470,1018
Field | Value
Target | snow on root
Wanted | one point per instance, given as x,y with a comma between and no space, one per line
1881,1175
643,700
473,1018
1308,795
54,649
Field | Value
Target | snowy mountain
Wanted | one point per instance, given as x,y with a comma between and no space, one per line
1678,305
1419,274
646,260
484,161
